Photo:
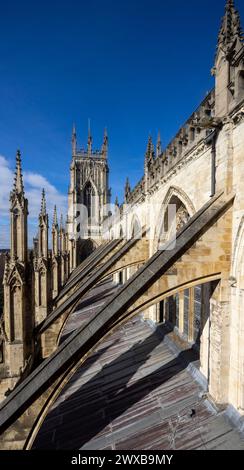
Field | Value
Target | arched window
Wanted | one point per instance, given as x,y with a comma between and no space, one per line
241,83
89,199
121,233
181,212
174,218
136,228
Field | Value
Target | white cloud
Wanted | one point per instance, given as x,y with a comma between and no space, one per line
6,181
33,183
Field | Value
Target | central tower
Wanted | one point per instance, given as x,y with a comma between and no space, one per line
89,192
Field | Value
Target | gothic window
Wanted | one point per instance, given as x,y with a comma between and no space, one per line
1,351
2,338
43,289
121,232
180,214
180,147
89,196
136,229
186,310
173,310
192,133
197,312
15,311
241,83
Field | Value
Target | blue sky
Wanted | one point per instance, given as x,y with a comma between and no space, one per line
134,66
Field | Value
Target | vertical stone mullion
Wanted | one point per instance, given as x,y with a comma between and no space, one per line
191,315
181,312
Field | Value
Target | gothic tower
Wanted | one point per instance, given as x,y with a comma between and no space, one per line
89,189
229,65
42,267
17,318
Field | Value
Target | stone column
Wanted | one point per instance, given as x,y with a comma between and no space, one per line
181,312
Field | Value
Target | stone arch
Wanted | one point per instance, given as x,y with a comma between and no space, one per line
135,228
184,207
238,249
89,198
67,377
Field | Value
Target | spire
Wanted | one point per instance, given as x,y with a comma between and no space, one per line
230,30
159,146
89,141
19,232
55,217
74,140
150,150
127,188
43,203
61,222
6,267
105,143
116,201
18,180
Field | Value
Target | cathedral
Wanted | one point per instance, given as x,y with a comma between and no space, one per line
126,330
89,188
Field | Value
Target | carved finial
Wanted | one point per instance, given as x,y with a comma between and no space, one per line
127,188
18,180
74,140
89,142
55,217
150,150
43,203
159,146
116,201
230,29
105,143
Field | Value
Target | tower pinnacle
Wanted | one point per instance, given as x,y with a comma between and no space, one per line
105,143
159,146
55,217
74,140
89,141
150,150
43,203
18,180
127,189
230,30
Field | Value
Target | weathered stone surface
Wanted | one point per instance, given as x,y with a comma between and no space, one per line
85,337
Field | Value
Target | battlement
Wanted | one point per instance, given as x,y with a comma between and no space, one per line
83,154
196,128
